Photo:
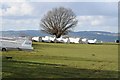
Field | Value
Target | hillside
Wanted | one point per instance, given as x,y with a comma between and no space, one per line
99,35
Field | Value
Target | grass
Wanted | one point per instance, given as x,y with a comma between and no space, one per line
55,60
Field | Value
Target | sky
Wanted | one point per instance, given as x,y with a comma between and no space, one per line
92,15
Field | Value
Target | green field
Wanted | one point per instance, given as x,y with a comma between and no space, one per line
57,60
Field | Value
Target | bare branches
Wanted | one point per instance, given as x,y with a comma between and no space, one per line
58,21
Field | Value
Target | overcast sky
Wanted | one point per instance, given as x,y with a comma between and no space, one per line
92,16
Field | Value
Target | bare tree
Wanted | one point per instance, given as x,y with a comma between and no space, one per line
58,21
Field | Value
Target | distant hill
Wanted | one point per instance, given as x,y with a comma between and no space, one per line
99,35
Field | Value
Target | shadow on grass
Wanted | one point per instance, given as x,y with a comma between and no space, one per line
22,69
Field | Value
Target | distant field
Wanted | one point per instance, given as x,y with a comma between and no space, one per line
56,60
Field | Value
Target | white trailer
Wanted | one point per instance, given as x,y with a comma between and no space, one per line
84,40
37,39
92,41
15,43
48,38
63,39
74,40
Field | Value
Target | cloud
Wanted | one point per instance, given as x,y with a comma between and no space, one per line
13,1
91,16
16,9
80,8
99,23
1,12
20,24
90,20
97,20
74,0
0,24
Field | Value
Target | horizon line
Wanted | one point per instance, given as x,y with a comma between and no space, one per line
71,31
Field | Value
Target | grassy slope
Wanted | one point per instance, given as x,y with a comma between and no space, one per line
63,60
